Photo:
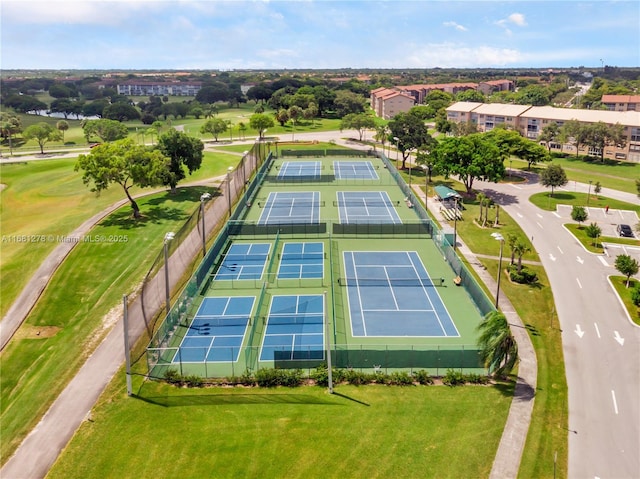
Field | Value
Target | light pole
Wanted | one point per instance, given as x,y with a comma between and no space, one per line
500,238
455,223
229,170
426,186
167,237
244,165
203,197
589,193
397,150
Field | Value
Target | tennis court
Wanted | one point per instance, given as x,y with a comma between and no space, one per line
291,207
295,328
301,261
366,207
244,261
355,170
217,330
300,169
391,294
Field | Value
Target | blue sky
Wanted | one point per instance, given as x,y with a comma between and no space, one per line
263,34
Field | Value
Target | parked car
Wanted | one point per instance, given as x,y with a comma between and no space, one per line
625,230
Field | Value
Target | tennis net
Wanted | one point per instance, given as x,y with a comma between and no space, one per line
315,319
365,202
203,323
392,282
290,203
305,256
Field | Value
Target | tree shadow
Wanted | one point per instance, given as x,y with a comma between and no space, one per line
123,218
212,398
500,198
184,193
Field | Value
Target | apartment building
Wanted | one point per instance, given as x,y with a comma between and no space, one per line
420,92
147,88
388,102
621,102
531,120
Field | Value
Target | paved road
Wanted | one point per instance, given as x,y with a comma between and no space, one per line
600,343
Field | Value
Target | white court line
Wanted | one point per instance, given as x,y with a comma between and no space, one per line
615,404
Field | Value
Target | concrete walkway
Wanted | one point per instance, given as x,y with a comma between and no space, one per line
507,461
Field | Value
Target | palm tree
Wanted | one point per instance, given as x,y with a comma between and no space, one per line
498,347
520,248
480,198
512,240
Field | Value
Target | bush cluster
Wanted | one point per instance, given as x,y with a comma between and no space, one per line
272,377
172,376
525,276
457,378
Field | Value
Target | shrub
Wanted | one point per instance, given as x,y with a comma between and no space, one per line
193,381
355,378
291,378
477,379
525,276
172,376
635,295
453,378
320,375
423,377
400,378
267,378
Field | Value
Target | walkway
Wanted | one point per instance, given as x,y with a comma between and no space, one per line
507,461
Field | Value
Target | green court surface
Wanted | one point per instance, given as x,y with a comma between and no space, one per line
360,207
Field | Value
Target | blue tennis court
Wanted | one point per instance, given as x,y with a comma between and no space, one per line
390,293
291,207
301,261
217,330
244,261
300,169
366,207
295,329
363,170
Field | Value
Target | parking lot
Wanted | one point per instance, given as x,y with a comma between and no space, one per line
607,220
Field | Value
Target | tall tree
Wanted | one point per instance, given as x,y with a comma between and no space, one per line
593,231
600,135
575,133
124,163
11,125
62,126
348,102
410,131
260,122
215,126
42,133
498,347
627,266
183,151
358,121
553,176
550,134
470,157
106,130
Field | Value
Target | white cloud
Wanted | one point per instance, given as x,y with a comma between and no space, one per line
455,25
450,55
517,19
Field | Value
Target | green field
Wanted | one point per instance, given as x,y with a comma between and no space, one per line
359,432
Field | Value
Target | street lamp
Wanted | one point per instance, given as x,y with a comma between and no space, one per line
167,237
203,197
589,193
426,186
397,149
500,238
455,223
229,170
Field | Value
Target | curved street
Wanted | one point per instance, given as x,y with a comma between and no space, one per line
601,344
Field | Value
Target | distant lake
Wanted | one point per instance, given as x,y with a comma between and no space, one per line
61,115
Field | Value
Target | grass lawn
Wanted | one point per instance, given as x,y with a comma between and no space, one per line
46,200
549,203
359,432
620,284
71,317
618,175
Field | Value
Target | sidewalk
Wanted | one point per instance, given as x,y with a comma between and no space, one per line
507,461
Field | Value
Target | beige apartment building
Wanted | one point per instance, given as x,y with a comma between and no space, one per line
621,102
388,102
530,120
